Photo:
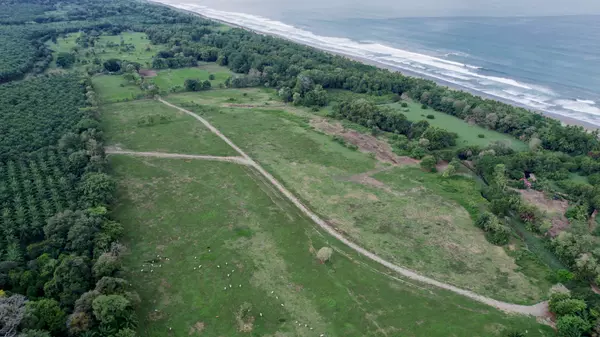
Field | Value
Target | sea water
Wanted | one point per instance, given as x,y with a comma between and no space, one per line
549,64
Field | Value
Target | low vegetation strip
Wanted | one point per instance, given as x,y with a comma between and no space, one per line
237,160
538,310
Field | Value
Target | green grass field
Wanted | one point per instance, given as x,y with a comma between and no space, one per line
171,78
468,134
142,53
259,275
114,88
407,221
180,133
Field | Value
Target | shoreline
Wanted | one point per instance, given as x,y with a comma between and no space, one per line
565,120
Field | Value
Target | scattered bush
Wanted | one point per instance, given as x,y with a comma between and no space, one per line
211,77
430,116
324,254
424,106
495,232
481,135
404,105
428,163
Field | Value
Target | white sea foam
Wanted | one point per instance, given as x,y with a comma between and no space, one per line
582,106
456,73
586,101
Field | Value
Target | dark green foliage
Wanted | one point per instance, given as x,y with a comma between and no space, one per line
97,189
428,163
495,232
481,135
112,65
424,106
35,113
65,60
430,116
404,105
211,77
112,311
45,314
196,85
439,138
572,326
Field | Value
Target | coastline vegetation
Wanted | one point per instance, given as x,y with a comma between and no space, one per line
360,145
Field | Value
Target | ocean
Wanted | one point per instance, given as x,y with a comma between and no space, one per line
547,64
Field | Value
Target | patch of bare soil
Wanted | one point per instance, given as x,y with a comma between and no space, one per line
147,72
196,328
555,208
367,179
245,322
366,143
441,166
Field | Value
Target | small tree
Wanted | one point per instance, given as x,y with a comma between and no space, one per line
428,163
65,60
572,326
192,84
450,171
324,254
211,77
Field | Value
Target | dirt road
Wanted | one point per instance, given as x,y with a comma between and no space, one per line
538,310
238,160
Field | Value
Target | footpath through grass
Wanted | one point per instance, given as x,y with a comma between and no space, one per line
409,222
216,252
148,125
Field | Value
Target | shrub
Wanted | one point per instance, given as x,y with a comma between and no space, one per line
430,116
481,135
211,77
418,152
324,254
495,232
404,105
428,163
65,60
572,326
424,106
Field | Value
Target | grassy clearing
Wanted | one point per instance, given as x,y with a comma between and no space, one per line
107,47
179,133
223,217
409,223
175,78
467,134
114,88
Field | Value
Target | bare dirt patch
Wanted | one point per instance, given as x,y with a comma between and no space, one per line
147,73
366,143
196,328
441,166
245,322
555,209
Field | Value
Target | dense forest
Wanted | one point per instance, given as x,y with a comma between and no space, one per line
59,257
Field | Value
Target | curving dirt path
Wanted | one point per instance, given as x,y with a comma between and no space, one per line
537,310
237,160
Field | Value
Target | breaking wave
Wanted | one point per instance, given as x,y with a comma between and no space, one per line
467,76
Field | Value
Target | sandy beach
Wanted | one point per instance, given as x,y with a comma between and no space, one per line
565,120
